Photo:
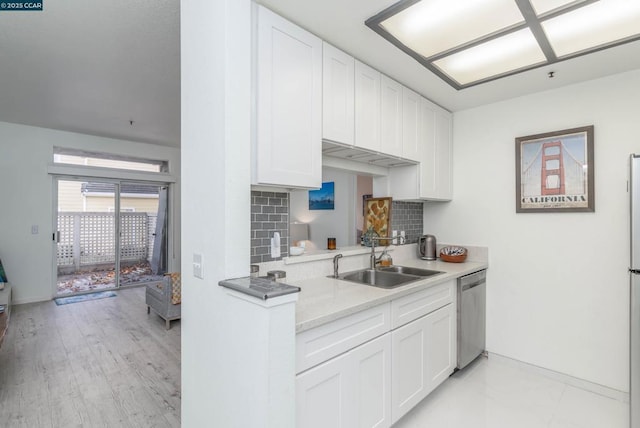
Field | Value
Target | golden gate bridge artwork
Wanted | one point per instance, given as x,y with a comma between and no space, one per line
554,172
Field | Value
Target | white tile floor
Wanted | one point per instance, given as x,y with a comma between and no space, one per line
492,393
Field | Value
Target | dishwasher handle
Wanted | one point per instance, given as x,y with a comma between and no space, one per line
470,286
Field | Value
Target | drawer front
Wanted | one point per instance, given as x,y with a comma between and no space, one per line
326,341
413,306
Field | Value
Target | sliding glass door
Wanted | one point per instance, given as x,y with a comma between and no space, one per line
109,234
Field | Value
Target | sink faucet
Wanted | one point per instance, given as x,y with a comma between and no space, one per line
335,264
373,259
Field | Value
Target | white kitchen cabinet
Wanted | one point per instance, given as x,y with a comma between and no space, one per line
391,117
324,342
323,396
444,145
411,125
435,167
338,113
370,368
287,144
432,178
423,357
350,390
428,168
415,305
367,107
372,363
441,352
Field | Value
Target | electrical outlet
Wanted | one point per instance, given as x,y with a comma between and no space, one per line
198,270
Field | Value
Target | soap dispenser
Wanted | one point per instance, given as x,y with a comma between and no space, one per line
385,259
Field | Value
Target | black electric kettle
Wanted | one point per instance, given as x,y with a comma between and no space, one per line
427,247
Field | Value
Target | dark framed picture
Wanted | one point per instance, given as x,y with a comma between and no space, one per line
3,275
323,198
364,202
554,172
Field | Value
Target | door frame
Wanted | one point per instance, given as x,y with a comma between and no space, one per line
148,178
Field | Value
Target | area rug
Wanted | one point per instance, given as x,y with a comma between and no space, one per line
84,297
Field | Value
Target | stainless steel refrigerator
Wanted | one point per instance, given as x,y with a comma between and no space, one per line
634,271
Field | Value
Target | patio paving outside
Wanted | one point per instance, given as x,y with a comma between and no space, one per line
96,280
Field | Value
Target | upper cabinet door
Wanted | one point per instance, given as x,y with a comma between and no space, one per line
411,125
367,107
391,117
436,165
337,95
444,146
429,161
288,139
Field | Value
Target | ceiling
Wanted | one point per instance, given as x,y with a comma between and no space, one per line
93,68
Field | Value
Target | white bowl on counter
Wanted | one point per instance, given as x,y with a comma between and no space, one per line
296,251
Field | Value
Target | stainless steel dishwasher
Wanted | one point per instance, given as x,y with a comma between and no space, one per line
472,314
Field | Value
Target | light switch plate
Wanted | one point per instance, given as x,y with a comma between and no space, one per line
198,270
34,229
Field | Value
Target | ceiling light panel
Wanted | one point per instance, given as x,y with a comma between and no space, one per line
508,53
544,6
598,24
429,27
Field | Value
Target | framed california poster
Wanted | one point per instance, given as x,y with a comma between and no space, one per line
554,172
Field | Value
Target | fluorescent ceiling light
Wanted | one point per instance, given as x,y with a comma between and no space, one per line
468,42
594,25
434,26
495,57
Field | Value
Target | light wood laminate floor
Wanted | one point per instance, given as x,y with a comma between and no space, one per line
100,363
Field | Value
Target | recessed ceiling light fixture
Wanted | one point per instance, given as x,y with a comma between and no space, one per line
468,42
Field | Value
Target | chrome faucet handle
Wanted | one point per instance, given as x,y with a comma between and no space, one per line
373,260
335,264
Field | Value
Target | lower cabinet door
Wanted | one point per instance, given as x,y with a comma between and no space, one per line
373,383
323,397
409,367
441,352
423,358
351,390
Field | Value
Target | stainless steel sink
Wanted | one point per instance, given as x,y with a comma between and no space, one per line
378,278
389,277
410,270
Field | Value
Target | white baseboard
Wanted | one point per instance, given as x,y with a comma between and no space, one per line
561,377
31,300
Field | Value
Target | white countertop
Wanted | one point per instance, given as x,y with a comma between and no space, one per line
323,299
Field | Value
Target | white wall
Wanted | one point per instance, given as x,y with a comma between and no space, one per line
557,292
27,199
339,223
227,354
